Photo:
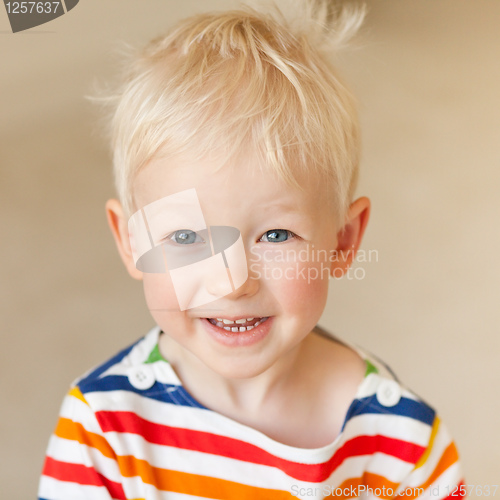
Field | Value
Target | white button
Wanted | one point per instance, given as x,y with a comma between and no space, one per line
141,377
388,393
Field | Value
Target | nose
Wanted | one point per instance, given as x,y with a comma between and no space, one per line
216,284
228,243
248,288
224,274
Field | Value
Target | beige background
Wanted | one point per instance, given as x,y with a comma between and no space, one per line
427,74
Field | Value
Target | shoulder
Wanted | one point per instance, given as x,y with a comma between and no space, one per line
134,354
382,393
389,419
383,406
138,371
402,432
379,391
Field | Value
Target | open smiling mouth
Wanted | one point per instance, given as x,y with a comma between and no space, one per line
239,325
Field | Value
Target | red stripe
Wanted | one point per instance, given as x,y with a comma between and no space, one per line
115,489
215,444
81,474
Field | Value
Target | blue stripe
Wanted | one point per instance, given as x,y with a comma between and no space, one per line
105,366
166,393
417,410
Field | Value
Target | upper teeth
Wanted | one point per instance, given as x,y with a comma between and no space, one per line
231,322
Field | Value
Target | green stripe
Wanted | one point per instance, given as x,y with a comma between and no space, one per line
155,355
370,368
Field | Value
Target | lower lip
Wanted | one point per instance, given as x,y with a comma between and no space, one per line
238,339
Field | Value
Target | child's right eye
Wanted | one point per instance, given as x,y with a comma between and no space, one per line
277,235
184,237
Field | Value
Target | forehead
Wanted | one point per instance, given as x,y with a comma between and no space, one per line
245,181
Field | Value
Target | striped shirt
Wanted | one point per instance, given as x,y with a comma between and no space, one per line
129,430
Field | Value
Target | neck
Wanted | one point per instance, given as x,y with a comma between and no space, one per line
234,395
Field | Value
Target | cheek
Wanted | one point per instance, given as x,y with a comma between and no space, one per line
299,286
160,296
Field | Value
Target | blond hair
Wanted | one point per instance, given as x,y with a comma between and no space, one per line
245,78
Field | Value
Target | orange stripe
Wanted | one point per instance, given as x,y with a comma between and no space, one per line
448,458
347,486
356,486
375,481
427,452
194,484
67,429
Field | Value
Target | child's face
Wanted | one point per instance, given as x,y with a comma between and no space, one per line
289,238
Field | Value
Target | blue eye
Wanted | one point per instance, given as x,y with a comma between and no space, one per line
185,237
277,235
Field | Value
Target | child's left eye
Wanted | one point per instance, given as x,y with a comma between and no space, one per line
277,235
184,237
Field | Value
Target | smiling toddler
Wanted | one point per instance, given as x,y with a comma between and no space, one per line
235,156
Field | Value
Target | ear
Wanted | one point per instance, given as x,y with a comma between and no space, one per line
350,236
119,229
